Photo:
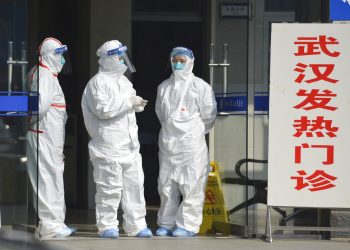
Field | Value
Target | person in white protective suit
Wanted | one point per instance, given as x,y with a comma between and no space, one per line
109,103
49,131
186,109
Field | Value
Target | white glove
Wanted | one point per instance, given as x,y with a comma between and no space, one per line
136,101
144,102
139,109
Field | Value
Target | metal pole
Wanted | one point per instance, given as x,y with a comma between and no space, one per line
224,66
211,81
224,70
211,65
268,229
24,65
10,62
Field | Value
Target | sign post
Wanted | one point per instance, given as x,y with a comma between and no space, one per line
309,116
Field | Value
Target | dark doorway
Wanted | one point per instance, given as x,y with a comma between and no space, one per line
152,43
68,24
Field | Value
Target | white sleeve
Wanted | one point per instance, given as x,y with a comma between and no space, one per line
47,90
207,106
103,104
158,105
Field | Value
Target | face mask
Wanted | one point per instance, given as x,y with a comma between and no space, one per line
63,61
178,65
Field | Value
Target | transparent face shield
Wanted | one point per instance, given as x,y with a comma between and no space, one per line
121,52
65,60
179,57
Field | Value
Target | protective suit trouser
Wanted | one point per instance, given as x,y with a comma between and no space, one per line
120,179
50,196
189,214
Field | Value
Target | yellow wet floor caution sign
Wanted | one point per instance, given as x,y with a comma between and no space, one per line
214,209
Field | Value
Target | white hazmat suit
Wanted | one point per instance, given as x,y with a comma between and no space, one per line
109,103
186,109
50,128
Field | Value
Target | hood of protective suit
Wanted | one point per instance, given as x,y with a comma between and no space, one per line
184,73
48,57
110,64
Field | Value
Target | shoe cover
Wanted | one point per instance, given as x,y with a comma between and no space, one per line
145,233
72,229
180,232
64,233
110,233
162,231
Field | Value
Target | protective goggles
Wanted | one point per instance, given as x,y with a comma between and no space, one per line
122,52
118,51
61,50
181,51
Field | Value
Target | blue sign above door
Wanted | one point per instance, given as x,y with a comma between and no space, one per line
339,10
18,103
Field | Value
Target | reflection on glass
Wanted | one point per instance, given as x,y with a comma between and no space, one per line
16,197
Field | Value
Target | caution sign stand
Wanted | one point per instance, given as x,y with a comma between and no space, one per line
214,209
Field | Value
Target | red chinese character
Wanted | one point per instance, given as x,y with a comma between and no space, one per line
315,128
316,69
317,181
315,45
329,148
315,100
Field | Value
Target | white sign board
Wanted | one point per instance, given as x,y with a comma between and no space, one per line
309,116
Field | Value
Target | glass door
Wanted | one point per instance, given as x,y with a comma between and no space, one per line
230,82
16,196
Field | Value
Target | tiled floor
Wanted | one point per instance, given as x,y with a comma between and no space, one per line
171,243
86,237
